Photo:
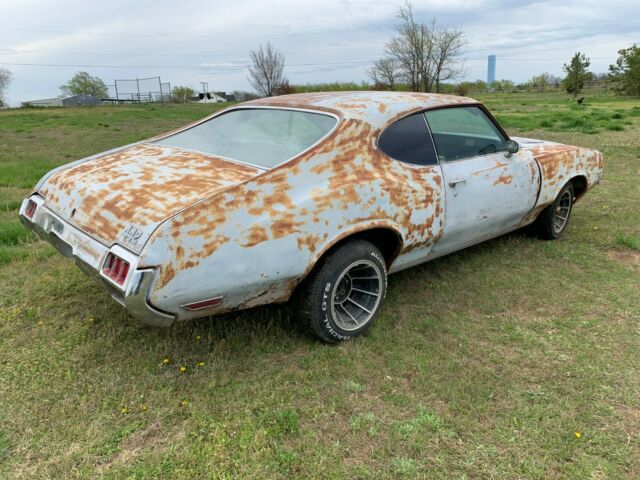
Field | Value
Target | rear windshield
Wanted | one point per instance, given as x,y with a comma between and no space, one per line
262,137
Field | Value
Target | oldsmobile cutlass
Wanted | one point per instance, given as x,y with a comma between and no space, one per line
322,195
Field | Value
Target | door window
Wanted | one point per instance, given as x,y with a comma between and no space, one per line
464,132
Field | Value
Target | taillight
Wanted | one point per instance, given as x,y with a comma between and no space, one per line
116,268
31,208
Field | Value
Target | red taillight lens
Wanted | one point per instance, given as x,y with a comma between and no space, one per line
115,268
31,209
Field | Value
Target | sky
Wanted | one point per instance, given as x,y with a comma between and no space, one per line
187,42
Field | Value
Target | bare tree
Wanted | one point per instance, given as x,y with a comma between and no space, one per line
409,48
447,46
266,74
426,55
5,79
384,72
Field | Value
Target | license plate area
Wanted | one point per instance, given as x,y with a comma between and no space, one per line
57,226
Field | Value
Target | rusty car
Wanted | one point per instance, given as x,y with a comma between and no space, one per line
321,195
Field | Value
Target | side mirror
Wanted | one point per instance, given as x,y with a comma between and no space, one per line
512,147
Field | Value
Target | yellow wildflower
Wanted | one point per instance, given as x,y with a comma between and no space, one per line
165,361
198,338
124,410
201,364
183,369
577,434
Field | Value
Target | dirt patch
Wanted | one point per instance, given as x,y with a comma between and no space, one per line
154,436
628,258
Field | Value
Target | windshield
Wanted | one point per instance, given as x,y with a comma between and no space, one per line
262,137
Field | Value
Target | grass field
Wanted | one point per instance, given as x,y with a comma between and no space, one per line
514,359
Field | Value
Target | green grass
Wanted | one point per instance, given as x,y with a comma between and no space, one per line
483,364
628,241
560,113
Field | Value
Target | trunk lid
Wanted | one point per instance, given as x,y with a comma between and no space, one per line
122,197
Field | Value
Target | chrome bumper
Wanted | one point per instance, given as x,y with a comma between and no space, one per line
90,255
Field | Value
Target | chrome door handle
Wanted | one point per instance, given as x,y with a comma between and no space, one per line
453,183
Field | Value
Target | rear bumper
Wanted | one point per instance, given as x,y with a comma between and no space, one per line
90,255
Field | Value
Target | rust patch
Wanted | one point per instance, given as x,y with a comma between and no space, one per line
257,234
311,242
140,185
534,171
503,180
166,275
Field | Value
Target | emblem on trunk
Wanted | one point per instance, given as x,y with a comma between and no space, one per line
132,234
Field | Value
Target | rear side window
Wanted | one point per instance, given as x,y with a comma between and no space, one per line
408,140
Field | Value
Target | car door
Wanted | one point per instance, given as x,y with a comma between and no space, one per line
487,191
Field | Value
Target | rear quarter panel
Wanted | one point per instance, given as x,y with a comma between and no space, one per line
254,243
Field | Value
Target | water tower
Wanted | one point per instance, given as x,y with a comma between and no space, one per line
491,69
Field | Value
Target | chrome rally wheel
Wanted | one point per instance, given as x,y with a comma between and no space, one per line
356,296
344,295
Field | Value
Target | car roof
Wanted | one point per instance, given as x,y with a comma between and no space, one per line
374,107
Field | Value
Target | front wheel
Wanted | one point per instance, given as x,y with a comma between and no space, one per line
345,294
554,219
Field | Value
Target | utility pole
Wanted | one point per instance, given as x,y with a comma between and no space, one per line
205,89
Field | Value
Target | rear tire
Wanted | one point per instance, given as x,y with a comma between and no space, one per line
345,294
553,220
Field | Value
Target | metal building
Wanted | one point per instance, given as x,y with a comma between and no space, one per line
66,101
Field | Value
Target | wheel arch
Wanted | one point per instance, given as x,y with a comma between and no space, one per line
386,238
580,186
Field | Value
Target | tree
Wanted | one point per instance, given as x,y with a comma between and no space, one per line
626,70
285,88
448,44
242,96
425,55
384,73
503,85
479,86
84,84
5,80
577,74
182,93
543,80
463,88
266,74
